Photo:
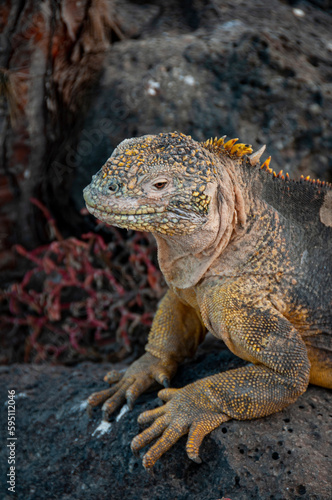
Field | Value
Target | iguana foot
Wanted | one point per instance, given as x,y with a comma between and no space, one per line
187,410
129,386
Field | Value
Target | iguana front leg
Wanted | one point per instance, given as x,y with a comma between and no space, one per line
175,334
278,375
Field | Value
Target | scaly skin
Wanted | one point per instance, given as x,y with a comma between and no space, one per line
247,255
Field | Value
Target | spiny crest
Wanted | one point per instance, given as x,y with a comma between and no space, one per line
229,147
266,166
239,150
315,182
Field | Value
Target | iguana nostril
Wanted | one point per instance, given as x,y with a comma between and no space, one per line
113,187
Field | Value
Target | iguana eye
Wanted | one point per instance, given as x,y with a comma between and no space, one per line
160,185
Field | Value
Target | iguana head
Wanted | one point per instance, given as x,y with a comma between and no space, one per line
158,183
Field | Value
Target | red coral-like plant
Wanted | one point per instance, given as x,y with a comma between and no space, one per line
82,298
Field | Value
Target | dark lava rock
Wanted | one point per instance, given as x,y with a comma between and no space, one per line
60,454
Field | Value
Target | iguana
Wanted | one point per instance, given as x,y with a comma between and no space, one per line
247,255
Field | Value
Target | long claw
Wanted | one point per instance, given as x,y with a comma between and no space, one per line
197,459
109,408
166,382
135,452
135,390
162,377
89,409
117,400
150,471
130,402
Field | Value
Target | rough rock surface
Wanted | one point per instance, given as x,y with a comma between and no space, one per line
60,454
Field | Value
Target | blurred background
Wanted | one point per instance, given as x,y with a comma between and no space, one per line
76,78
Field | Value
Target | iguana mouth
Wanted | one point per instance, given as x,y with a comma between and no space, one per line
130,215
